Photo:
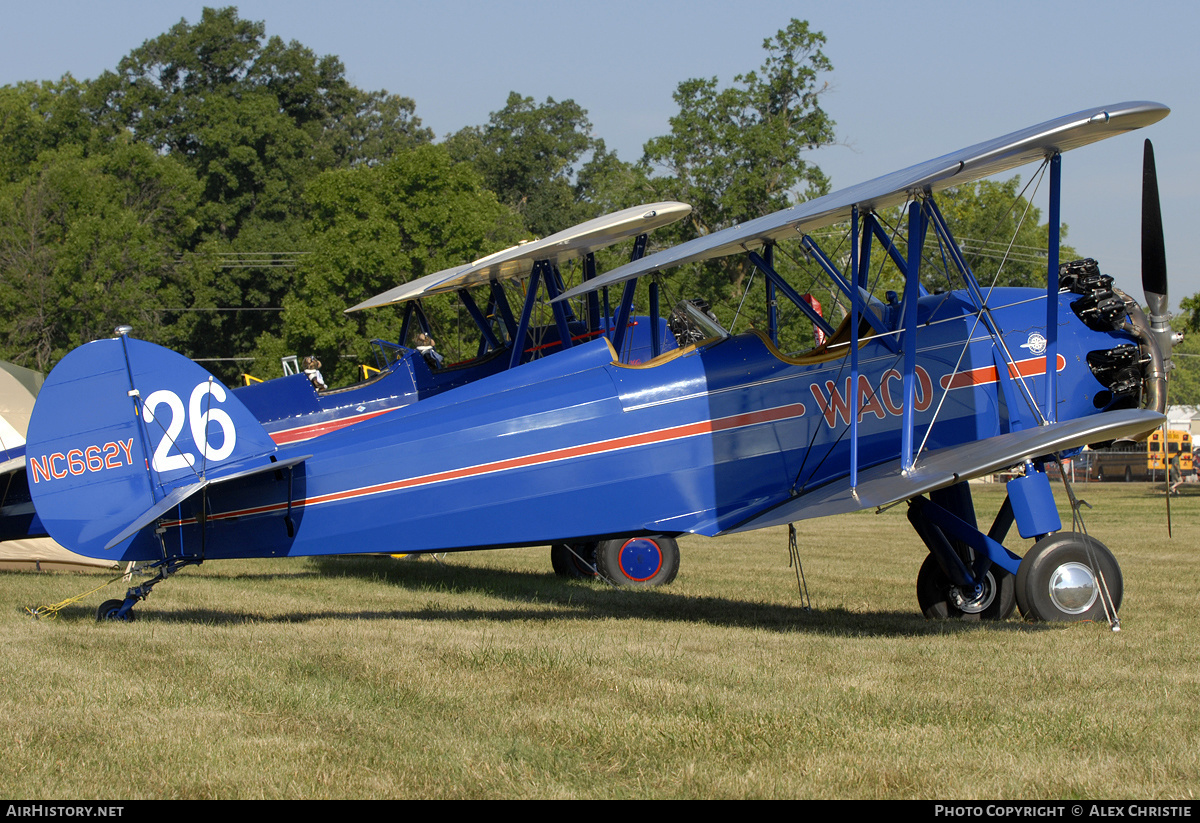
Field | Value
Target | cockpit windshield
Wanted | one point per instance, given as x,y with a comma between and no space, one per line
691,322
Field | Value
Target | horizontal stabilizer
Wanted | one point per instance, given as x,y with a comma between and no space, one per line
182,493
13,464
886,484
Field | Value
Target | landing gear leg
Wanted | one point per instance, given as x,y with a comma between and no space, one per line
961,579
574,560
940,599
123,609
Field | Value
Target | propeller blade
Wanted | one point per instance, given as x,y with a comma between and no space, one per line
1154,265
1154,254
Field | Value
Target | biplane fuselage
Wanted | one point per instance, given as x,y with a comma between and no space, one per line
578,446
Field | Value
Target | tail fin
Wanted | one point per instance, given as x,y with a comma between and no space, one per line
119,427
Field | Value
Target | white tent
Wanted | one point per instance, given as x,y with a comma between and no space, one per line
18,389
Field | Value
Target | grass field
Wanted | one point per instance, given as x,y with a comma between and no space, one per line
485,676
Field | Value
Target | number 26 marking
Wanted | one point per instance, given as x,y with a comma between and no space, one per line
168,456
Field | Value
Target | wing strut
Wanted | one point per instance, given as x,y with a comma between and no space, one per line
916,242
817,254
1053,227
782,285
977,298
855,309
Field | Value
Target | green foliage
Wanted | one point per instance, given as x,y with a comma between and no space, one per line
373,228
737,153
87,243
1191,313
1000,235
1184,386
527,154
607,183
254,129
256,118
375,129
37,117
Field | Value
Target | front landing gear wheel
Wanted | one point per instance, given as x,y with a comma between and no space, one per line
940,599
1057,580
573,560
109,610
643,562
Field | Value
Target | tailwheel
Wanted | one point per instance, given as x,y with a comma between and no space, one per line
574,560
111,610
1068,576
941,599
642,562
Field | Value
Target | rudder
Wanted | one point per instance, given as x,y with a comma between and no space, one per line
118,426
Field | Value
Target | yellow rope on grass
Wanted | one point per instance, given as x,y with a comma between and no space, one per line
51,611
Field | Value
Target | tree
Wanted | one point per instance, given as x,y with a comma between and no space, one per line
255,117
737,153
527,154
256,120
87,243
379,126
38,117
1000,234
373,228
1184,386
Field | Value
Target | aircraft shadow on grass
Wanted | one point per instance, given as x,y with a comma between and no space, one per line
549,598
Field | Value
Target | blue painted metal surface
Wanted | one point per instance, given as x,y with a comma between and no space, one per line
1033,505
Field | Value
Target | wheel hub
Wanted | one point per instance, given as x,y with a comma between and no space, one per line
1073,588
641,559
971,601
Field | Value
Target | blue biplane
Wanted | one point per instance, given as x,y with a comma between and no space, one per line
905,401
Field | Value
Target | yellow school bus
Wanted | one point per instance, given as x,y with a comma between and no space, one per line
1128,460
1178,443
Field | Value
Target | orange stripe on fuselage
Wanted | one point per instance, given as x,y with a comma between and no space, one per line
317,429
985,375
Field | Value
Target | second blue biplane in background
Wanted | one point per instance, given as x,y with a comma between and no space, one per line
292,409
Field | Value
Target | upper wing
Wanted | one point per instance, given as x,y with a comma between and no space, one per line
517,261
411,290
886,484
964,166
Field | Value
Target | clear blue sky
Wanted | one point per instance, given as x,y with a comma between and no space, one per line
911,80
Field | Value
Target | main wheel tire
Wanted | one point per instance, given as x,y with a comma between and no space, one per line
1128,475
573,560
642,562
109,610
1057,580
940,599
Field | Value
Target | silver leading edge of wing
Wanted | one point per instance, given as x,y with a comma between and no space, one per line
886,484
518,261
